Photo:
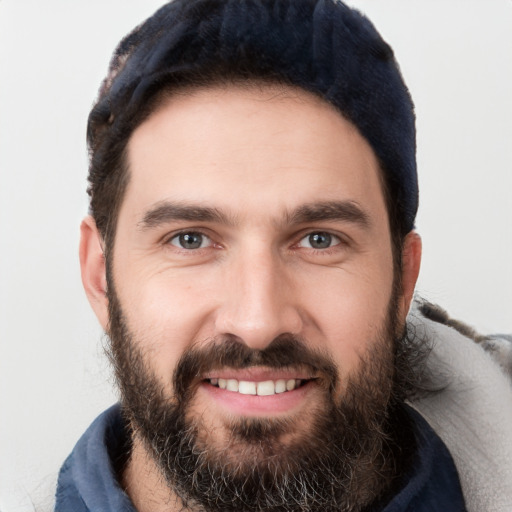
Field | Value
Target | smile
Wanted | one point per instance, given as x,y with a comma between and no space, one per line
262,388
259,391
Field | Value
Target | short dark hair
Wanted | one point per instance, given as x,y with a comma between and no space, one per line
321,46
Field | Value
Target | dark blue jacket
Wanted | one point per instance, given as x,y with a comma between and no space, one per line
87,481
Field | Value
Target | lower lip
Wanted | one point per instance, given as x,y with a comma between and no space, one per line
254,405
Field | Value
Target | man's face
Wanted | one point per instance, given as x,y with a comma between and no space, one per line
252,214
254,217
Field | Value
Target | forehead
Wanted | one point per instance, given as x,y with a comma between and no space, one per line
252,151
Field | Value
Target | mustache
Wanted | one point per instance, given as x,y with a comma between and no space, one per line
285,351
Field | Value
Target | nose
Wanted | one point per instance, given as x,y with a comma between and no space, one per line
258,301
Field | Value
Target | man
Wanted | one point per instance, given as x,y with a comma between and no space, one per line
251,254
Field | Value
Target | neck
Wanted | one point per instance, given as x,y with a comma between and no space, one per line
143,482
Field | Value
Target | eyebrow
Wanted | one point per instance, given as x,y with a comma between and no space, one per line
347,211
168,211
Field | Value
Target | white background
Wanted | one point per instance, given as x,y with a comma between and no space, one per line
456,57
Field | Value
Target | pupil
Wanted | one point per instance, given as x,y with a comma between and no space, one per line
191,240
320,240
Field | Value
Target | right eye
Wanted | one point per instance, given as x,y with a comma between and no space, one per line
190,240
319,240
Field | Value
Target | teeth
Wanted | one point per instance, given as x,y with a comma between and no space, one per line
280,386
232,385
290,384
265,388
247,388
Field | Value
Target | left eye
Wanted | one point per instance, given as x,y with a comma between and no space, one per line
190,241
319,240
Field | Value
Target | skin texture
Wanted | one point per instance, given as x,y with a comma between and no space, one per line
271,166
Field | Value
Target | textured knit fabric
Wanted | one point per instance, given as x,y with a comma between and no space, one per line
87,482
471,410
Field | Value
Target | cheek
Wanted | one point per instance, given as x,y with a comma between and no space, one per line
349,312
168,313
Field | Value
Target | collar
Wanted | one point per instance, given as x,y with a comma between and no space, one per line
87,480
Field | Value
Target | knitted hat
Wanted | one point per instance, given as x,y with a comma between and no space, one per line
322,46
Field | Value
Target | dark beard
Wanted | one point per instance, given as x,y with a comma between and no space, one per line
350,456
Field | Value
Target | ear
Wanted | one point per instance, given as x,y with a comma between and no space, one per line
411,262
93,269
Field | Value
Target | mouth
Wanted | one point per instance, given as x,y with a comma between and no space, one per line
259,391
257,388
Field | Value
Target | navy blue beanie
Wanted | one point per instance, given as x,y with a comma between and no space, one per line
322,46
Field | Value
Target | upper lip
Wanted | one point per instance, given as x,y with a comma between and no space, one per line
259,374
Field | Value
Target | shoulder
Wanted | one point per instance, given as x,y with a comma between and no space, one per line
469,403
499,346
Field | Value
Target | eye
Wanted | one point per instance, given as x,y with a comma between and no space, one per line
190,240
319,240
